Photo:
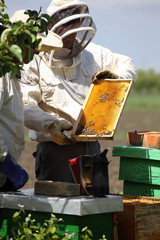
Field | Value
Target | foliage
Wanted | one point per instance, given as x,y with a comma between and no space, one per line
19,40
2,6
27,229
148,82
86,234
145,91
146,101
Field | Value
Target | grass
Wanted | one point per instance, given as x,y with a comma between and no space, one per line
143,102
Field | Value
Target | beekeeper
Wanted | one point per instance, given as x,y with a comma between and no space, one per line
52,106
12,175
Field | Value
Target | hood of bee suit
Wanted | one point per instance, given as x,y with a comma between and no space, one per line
74,24
51,41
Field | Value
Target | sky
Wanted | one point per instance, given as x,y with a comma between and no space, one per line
128,27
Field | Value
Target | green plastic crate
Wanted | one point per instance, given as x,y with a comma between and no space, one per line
139,169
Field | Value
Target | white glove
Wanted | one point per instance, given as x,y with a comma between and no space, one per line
104,74
56,130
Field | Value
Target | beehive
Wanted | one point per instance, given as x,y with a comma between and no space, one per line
139,170
101,110
140,219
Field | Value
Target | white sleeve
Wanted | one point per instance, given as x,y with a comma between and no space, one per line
34,117
117,63
123,67
3,146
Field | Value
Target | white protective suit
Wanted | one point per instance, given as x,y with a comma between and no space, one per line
11,120
64,79
62,90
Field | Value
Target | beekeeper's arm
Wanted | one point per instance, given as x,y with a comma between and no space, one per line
16,174
34,117
115,66
3,146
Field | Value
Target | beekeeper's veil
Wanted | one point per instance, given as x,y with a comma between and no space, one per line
72,18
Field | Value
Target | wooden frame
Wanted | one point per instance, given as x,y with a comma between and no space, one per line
102,109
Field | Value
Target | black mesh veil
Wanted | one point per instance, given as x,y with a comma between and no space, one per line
73,20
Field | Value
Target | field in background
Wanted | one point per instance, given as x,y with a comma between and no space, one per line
143,101
142,112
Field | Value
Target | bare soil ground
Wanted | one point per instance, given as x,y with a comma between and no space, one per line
129,121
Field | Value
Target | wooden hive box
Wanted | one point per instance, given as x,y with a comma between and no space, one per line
140,219
149,139
139,169
102,109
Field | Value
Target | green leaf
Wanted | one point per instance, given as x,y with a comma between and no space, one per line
38,43
49,19
2,6
27,231
17,51
32,36
32,13
18,28
30,54
53,230
7,58
34,30
16,216
55,237
13,72
5,16
5,34
42,25
89,233
30,22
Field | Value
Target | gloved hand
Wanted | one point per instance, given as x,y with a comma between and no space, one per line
15,173
104,74
56,130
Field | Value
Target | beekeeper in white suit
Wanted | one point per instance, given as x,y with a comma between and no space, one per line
52,106
12,175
